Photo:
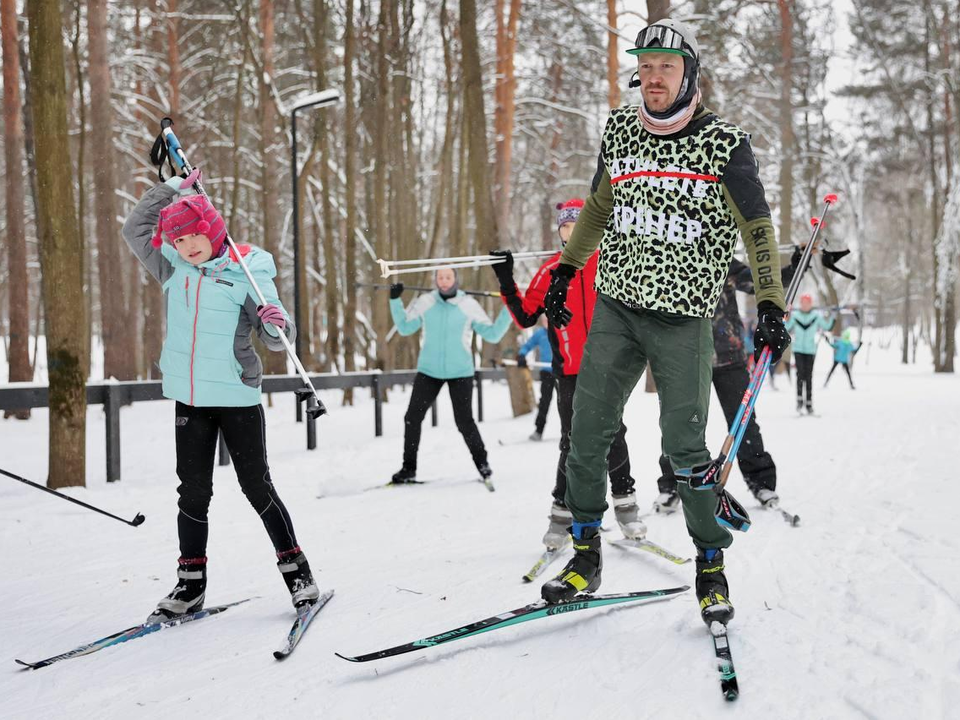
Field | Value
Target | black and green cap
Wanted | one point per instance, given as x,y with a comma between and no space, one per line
667,36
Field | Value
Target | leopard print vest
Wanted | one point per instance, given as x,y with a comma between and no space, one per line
670,238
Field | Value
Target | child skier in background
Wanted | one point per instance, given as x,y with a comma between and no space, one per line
843,352
541,343
211,370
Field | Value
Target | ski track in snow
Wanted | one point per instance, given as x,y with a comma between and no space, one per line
855,613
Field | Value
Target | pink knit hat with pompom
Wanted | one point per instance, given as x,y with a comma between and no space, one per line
193,214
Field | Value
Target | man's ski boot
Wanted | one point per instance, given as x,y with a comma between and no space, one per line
485,472
187,597
296,573
628,516
404,475
560,521
536,436
712,590
666,502
582,573
809,408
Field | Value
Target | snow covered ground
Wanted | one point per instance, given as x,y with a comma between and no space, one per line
855,613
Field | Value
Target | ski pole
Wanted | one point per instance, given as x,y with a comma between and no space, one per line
138,520
465,258
384,286
466,261
738,428
307,393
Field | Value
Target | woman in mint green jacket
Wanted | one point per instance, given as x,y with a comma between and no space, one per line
448,318
213,373
804,324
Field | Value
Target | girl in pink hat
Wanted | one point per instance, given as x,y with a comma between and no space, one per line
210,368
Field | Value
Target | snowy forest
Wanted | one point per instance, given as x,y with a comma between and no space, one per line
444,500
460,126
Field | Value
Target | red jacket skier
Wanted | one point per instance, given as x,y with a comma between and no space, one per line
567,343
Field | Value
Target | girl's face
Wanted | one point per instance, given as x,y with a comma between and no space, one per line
195,248
806,304
566,230
446,279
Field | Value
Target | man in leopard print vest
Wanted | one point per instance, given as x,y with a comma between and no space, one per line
675,186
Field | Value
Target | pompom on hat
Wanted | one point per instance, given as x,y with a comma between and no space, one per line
194,214
568,211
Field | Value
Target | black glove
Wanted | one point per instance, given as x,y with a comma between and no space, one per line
396,290
521,360
795,258
830,262
504,271
770,331
555,301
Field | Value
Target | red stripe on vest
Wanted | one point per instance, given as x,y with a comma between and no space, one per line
659,173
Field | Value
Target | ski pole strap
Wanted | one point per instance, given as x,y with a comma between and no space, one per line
159,155
731,514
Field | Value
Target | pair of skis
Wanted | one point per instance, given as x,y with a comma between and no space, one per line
540,609
487,483
533,611
305,616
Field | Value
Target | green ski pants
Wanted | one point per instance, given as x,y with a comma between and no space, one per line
679,350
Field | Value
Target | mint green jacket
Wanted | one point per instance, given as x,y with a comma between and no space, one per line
446,351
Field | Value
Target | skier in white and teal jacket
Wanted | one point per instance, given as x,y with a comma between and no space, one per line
210,368
805,325
448,317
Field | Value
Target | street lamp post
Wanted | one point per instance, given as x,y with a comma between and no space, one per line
320,99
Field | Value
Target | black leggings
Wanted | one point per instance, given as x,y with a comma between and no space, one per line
546,395
804,377
618,458
197,429
846,368
425,391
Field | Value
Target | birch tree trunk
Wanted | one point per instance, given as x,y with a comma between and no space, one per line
274,363
119,352
331,223
787,139
17,282
153,321
381,159
657,10
506,87
63,273
350,173
486,219
613,57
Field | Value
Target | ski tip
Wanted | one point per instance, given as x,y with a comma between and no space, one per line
347,657
26,665
280,655
527,579
731,695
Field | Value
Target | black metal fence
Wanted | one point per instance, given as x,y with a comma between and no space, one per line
113,395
